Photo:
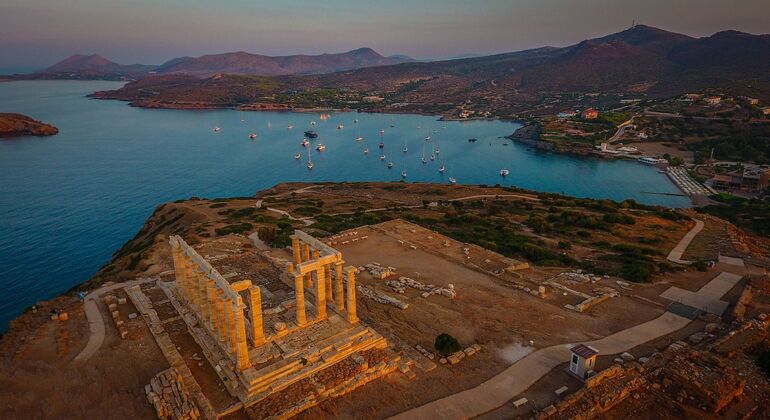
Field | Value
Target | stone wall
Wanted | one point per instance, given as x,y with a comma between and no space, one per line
166,393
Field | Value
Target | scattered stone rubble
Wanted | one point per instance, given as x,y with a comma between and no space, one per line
456,357
112,305
166,393
400,285
425,352
380,297
378,271
344,238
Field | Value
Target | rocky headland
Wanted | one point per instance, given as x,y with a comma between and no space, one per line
14,125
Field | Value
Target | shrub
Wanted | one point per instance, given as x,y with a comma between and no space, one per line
446,344
764,362
565,245
700,265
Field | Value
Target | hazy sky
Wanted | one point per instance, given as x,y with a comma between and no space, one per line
37,33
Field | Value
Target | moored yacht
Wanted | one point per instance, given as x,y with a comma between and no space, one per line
452,180
305,143
320,147
311,133
252,135
504,172
216,129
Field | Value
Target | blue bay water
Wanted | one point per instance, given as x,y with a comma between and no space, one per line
69,201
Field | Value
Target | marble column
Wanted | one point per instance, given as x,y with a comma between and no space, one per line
305,258
351,295
339,299
219,307
299,293
211,299
297,250
255,296
320,293
227,311
328,281
240,348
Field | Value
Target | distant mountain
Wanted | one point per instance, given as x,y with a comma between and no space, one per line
263,65
641,60
93,66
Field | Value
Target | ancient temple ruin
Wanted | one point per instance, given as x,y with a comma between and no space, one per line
259,352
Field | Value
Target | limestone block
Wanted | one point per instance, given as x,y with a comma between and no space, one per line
627,356
644,360
118,323
477,347
453,359
122,301
132,315
550,410
279,326
442,360
560,391
470,351
112,306
521,401
115,314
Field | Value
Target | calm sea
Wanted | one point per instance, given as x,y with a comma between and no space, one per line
69,201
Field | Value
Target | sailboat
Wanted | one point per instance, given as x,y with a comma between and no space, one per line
452,180
504,172
253,136
297,156
366,151
269,125
216,129
289,127
355,121
403,174
423,160
390,164
359,138
340,126
304,143
406,148
309,162
382,156
320,147
442,168
432,157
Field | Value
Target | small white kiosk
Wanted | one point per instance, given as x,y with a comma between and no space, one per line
582,360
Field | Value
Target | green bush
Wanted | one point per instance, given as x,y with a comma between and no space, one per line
764,362
446,344
235,228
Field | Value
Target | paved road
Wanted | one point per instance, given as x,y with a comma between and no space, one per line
95,320
521,375
708,298
676,254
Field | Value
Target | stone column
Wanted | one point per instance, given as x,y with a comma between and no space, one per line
241,349
320,293
255,295
211,295
204,309
351,292
232,309
219,307
328,281
188,279
306,257
227,311
339,299
299,293
297,250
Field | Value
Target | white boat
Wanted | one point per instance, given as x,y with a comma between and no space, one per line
504,172
355,121
382,157
269,125
403,174
437,151
359,138
427,138
424,161
305,143
340,126
320,147
452,180
289,127
312,122
390,165
216,129
297,156
442,168
432,157
366,151
405,149
382,131
309,162
252,136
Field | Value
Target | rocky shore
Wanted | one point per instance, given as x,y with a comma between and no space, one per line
14,125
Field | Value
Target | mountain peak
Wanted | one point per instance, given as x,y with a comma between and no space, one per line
79,62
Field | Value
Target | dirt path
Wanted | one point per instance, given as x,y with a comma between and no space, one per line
676,254
521,375
95,320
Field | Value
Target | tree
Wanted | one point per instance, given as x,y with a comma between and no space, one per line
446,344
